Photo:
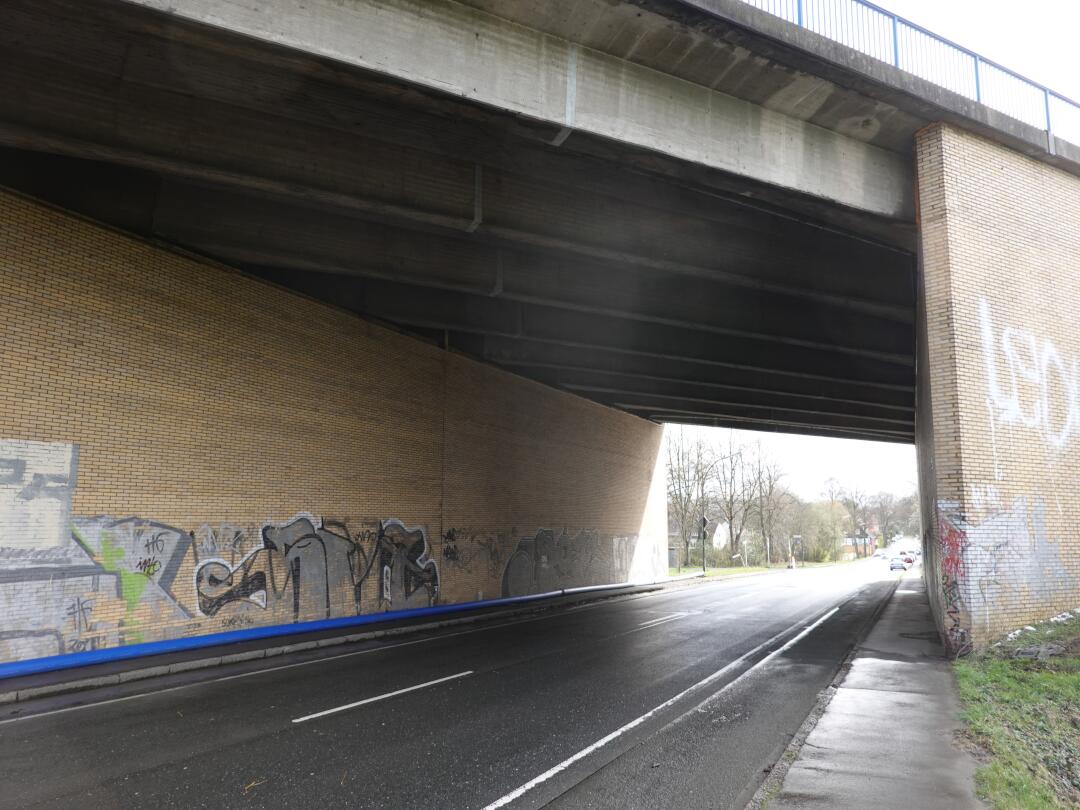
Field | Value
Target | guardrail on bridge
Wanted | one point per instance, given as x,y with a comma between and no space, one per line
883,35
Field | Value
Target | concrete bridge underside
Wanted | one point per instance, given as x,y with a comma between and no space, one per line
710,288
687,210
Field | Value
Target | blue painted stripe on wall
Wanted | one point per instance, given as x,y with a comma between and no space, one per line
83,659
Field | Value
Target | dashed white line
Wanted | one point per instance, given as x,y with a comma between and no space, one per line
663,619
395,693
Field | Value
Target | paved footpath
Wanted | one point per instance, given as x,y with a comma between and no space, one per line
886,739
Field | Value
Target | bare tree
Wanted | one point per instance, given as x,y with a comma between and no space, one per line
855,502
885,507
770,500
833,495
734,494
689,466
907,518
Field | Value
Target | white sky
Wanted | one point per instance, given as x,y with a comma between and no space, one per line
809,461
1039,39
1036,38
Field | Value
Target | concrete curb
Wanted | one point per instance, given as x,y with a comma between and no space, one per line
771,785
142,673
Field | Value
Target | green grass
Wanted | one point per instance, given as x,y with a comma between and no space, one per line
734,570
1024,715
831,562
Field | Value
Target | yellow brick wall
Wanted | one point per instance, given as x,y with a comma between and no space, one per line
186,450
1001,276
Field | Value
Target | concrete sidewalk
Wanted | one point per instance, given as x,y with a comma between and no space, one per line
886,738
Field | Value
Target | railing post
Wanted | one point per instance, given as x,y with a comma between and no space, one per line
978,83
1049,126
895,41
800,13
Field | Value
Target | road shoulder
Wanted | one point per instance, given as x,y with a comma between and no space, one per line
887,738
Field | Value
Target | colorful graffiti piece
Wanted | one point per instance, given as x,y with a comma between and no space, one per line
70,583
998,565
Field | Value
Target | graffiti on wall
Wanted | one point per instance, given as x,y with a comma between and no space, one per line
999,564
1029,383
953,541
471,551
548,561
36,483
70,583
304,562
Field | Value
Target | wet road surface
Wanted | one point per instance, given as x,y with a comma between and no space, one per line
681,698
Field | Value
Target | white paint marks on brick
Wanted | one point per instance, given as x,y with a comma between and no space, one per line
1028,381
36,482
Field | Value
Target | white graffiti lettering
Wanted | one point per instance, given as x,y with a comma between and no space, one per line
1028,382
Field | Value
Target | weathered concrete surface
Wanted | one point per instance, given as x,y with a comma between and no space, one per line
647,282
886,739
478,56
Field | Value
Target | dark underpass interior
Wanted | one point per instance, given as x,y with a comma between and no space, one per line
669,290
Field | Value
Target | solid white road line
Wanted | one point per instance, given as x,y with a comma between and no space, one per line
797,638
584,752
337,709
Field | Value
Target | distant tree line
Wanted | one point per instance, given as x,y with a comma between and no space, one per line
740,490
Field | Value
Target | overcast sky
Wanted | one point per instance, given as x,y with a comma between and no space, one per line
1035,38
809,461
1039,39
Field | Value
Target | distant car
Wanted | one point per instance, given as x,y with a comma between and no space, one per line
908,559
897,564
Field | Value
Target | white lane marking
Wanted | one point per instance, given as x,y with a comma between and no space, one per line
554,614
584,752
347,706
667,618
651,625
795,640
275,669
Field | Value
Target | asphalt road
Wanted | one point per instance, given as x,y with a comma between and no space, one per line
678,699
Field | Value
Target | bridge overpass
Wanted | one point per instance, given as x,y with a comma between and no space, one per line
318,312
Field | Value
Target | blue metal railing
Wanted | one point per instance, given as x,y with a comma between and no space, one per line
883,35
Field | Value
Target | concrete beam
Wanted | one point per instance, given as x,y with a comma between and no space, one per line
45,106
613,385
455,311
533,358
455,49
249,231
649,408
773,426
802,52
137,47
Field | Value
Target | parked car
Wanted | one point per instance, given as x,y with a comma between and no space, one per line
897,564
